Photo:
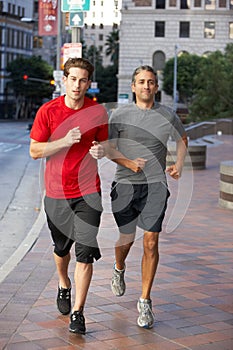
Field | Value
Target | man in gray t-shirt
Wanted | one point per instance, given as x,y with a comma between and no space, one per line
144,133
138,139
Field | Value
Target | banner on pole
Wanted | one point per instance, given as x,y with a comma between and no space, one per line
47,17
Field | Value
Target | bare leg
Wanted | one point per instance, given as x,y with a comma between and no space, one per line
150,262
82,276
62,264
122,249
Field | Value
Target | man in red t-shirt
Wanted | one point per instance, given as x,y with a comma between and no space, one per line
69,131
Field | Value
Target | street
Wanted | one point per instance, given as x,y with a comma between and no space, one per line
20,193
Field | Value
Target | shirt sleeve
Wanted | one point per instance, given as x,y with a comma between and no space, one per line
102,134
40,130
178,130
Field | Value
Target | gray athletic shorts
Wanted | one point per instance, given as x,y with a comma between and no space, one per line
75,220
141,205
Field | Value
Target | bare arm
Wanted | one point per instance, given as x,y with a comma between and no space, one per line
136,165
175,170
46,149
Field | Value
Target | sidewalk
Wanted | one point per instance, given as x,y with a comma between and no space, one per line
192,293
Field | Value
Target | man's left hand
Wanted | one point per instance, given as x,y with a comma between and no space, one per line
174,171
97,150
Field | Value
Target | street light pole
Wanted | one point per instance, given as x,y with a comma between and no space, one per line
94,56
175,80
58,58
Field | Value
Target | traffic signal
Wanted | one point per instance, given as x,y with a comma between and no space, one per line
52,82
25,77
94,98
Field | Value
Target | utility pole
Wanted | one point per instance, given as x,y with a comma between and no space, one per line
175,80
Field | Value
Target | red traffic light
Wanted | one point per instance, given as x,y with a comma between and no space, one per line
25,77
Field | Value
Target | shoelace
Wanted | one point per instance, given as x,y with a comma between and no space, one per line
64,293
145,308
77,316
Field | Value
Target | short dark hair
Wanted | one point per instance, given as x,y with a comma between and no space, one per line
146,68
78,62
137,71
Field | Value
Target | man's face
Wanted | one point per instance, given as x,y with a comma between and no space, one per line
145,87
77,83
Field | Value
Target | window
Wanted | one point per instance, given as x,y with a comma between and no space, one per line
210,4
231,30
172,3
197,3
114,26
101,37
93,26
184,29
222,4
184,4
160,4
159,29
159,61
209,30
101,26
37,42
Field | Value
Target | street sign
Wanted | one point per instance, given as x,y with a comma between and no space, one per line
71,50
94,85
76,19
123,98
75,5
93,91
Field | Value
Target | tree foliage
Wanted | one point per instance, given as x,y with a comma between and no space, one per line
112,44
214,86
106,77
29,93
205,84
187,68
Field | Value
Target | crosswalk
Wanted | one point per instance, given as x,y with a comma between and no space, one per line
9,147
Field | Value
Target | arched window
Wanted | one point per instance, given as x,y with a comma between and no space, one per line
158,61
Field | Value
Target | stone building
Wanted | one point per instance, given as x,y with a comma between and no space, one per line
151,29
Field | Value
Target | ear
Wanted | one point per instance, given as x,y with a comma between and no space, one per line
133,87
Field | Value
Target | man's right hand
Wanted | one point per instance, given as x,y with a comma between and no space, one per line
137,164
73,136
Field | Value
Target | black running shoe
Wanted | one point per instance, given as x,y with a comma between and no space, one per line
64,300
77,322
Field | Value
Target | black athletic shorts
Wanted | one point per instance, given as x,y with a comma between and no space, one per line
75,220
142,205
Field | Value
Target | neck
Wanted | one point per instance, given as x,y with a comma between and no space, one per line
73,104
144,105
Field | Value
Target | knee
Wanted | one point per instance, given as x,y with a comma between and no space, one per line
151,243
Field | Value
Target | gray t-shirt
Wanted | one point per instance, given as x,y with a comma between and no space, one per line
144,133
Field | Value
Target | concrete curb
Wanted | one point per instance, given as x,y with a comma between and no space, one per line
25,246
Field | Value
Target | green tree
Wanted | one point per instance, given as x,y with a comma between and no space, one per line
187,69
107,82
112,50
214,84
31,91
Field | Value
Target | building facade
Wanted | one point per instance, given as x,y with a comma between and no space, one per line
16,39
104,17
151,30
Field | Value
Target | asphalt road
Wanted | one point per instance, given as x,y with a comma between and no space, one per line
20,194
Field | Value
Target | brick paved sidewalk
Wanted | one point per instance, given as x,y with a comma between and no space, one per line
192,294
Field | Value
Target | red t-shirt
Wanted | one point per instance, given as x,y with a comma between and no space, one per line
71,172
